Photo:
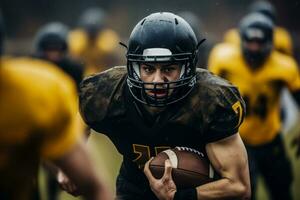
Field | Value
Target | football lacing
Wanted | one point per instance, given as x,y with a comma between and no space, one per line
190,150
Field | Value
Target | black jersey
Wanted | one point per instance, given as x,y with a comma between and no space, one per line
212,111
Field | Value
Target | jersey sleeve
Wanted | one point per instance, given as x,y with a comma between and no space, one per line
283,41
87,106
293,80
225,114
64,129
97,94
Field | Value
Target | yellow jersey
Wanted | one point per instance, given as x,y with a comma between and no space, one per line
282,39
260,88
97,56
38,106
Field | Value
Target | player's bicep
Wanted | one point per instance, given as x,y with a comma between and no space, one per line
229,158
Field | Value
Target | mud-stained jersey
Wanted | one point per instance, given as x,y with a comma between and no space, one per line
37,120
282,39
260,88
213,110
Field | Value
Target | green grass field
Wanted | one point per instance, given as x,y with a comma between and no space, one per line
104,153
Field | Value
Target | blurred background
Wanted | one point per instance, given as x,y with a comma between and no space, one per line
23,19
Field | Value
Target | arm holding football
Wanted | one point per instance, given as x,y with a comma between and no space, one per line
228,156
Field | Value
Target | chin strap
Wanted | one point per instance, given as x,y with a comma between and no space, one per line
197,50
124,45
199,43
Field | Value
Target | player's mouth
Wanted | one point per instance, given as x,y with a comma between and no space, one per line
158,93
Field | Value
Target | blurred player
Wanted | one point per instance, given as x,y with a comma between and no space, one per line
282,38
198,28
51,44
161,101
38,122
260,74
97,47
93,43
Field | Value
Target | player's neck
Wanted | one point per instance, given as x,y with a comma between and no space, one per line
153,110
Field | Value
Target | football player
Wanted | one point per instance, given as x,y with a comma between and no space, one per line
93,43
282,38
97,47
38,122
159,101
51,44
260,73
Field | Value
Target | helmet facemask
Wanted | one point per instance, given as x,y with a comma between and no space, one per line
263,44
256,32
162,39
160,94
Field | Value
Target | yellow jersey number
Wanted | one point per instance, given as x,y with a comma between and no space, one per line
143,153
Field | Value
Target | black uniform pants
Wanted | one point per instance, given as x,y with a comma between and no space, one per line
270,160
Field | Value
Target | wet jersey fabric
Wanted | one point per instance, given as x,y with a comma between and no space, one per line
214,110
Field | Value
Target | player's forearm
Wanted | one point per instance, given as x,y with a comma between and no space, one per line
223,189
78,167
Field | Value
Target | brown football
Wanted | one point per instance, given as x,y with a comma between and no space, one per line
190,167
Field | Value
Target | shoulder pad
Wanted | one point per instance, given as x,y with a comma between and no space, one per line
219,103
98,92
224,49
216,87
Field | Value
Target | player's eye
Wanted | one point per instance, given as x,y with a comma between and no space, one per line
147,68
168,69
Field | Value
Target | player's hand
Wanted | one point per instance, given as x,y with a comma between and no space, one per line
296,142
66,184
163,188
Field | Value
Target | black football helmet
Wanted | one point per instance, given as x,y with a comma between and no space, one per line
92,21
162,38
52,36
265,8
256,27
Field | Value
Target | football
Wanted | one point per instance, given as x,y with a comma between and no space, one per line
190,167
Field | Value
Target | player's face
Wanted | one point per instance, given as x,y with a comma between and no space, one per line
159,73
254,46
54,55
